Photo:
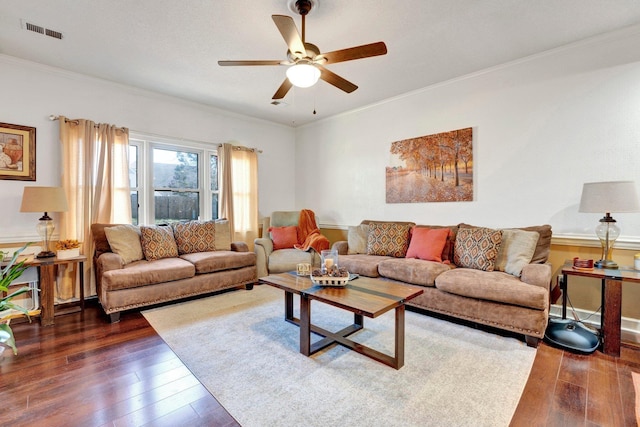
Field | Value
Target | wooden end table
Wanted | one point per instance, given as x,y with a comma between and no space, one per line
363,297
46,271
611,284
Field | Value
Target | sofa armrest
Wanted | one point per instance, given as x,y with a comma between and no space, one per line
263,248
239,247
342,246
537,274
109,261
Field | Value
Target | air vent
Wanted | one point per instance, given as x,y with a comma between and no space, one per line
35,28
41,30
54,34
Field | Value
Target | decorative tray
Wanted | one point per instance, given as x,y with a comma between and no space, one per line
329,280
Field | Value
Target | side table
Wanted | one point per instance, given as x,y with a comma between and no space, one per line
46,270
611,284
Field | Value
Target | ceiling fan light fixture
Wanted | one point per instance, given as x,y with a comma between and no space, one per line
303,75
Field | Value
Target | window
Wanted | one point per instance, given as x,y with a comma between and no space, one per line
180,182
133,182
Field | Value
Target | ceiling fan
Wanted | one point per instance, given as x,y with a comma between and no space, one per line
305,61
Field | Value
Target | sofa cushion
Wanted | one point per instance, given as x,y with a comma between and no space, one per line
357,238
411,270
365,265
124,240
284,237
209,262
477,248
158,242
493,286
143,273
388,239
284,260
427,243
516,250
194,236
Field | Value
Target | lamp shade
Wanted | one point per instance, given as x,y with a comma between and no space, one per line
612,197
43,199
303,75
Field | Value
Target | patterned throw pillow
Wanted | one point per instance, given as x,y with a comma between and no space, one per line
195,236
158,242
477,248
388,238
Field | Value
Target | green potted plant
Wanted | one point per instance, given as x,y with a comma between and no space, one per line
8,274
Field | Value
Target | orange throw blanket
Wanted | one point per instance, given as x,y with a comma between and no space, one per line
309,236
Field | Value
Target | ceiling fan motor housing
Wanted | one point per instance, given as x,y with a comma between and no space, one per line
302,7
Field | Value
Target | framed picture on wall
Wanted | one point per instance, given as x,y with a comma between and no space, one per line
17,152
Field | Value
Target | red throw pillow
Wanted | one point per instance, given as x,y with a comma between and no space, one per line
428,243
284,237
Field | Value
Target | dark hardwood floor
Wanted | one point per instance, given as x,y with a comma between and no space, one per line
87,372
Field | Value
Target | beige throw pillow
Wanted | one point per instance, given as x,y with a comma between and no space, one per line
223,235
357,239
125,241
516,250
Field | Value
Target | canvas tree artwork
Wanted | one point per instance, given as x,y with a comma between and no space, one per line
431,168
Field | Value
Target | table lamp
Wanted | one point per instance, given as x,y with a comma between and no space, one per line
607,197
44,199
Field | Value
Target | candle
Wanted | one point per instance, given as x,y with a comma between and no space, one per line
328,263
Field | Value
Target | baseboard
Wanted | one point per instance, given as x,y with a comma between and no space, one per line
630,327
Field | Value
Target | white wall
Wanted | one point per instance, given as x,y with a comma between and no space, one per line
31,92
542,127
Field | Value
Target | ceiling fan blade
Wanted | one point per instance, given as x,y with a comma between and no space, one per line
358,52
290,34
283,89
258,62
336,80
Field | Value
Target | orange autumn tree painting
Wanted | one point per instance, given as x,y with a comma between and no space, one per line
432,168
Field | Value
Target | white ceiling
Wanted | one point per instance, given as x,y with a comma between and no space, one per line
172,47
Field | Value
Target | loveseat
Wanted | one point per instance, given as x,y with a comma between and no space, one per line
141,266
494,277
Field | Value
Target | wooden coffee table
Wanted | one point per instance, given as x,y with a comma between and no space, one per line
363,297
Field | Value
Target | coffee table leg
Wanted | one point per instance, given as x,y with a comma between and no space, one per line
288,306
399,359
305,325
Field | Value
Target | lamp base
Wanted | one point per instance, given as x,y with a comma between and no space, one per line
46,254
571,335
606,263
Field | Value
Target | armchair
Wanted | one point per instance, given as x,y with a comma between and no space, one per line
270,261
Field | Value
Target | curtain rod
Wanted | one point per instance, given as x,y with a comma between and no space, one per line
53,117
240,147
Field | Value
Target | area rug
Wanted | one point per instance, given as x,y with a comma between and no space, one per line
239,346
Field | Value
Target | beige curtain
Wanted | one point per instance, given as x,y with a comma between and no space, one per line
95,176
239,191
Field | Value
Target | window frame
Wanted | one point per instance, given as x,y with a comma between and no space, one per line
146,191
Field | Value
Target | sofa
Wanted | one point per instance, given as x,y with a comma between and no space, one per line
138,266
275,252
494,277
